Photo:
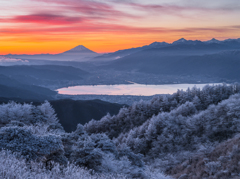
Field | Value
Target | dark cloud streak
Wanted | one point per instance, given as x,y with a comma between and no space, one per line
44,19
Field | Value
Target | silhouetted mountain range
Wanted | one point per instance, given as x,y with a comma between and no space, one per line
179,47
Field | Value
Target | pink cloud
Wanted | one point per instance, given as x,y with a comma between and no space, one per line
177,10
96,10
81,10
91,9
91,27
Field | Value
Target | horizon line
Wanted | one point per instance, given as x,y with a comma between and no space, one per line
101,53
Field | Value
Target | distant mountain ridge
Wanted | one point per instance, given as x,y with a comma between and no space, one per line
178,45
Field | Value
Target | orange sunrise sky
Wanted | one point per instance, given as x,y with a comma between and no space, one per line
54,26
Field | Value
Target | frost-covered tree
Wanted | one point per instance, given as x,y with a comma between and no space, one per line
139,113
13,167
219,162
183,131
33,147
88,151
161,132
12,114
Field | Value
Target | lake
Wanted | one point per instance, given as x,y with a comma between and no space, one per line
129,89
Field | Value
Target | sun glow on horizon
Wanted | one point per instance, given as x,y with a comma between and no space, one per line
56,26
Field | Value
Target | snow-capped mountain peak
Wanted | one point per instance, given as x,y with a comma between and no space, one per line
79,49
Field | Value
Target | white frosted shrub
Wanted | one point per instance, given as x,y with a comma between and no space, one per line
12,167
13,111
33,147
14,114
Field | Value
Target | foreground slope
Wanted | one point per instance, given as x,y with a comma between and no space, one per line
190,134
179,127
35,139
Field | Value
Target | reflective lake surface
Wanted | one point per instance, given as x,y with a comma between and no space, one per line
129,89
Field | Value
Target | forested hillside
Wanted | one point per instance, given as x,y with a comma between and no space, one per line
190,134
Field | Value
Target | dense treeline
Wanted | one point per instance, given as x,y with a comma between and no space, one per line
171,129
184,130
190,134
140,112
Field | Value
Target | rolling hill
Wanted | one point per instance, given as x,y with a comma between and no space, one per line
42,74
11,88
